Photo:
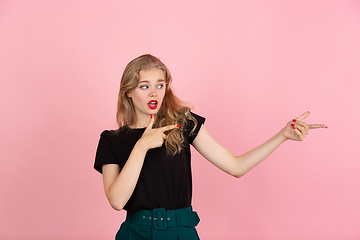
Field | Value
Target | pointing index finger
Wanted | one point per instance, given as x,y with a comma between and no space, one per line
170,127
315,126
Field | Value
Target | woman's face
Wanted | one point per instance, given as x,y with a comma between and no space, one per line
148,95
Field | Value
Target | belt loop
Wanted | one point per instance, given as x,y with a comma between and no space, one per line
177,215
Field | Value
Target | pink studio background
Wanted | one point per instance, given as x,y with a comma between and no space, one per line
247,66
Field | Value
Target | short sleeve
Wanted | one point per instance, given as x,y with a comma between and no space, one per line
189,135
105,153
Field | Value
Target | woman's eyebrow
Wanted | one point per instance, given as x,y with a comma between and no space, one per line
144,81
147,81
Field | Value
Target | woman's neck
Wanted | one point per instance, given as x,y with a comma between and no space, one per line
142,121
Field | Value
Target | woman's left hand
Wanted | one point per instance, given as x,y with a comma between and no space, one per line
296,129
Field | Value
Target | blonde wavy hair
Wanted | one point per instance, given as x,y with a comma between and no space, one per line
172,110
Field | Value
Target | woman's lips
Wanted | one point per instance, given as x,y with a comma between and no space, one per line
153,104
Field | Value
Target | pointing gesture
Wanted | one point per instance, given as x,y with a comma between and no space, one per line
297,129
154,138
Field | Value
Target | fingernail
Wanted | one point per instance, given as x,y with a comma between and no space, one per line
325,126
150,115
294,120
178,125
308,111
292,125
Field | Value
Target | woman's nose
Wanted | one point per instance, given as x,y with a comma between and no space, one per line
153,93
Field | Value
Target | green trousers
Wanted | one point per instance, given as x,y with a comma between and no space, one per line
159,224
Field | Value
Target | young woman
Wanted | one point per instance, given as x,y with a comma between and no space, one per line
146,162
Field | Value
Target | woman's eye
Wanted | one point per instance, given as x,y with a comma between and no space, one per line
160,86
144,87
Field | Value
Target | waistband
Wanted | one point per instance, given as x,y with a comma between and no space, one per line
161,219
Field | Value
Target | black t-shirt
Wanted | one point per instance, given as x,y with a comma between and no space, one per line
165,181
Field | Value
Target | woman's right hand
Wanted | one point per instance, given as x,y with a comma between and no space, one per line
154,138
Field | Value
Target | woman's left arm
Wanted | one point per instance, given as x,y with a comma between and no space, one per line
237,166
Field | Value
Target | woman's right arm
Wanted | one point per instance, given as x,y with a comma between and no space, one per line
119,185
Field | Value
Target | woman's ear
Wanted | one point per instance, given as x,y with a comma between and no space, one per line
128,94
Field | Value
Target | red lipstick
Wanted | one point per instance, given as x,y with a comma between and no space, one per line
153,104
